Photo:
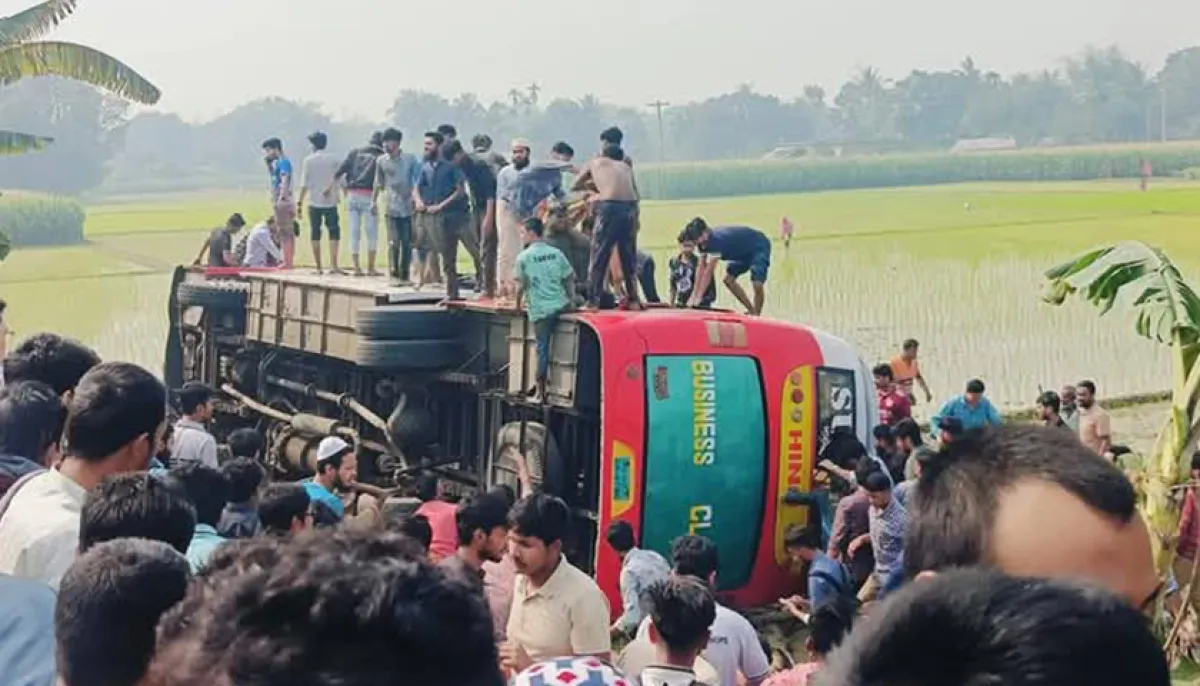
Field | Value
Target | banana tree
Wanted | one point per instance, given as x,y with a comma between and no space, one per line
1168,312
22,55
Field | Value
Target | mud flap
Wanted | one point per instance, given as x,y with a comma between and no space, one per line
173,355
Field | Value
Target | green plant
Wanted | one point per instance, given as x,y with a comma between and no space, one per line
23,56
1168,312
35,220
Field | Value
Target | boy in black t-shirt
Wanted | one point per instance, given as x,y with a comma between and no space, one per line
683,277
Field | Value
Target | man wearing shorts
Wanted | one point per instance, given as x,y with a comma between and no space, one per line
742,248
318,184
282,201
442,214
397,173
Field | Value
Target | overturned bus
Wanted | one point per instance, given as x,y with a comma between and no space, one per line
676,421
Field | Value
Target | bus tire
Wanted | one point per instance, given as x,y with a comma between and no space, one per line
225,295
406,322
546,468
429,354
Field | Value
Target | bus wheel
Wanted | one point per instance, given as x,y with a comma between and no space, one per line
418,354
224,295
406,322
542,458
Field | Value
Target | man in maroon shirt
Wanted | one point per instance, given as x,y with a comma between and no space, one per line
1189,535
893,405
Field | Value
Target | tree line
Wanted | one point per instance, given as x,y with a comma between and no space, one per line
1096,96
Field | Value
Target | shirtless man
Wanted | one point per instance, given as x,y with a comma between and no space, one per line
608,179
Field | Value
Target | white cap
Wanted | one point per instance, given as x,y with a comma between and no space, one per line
331,446
520,143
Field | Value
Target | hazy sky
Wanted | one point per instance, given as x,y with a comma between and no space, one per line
353,56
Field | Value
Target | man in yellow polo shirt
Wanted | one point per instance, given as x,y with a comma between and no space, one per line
557,610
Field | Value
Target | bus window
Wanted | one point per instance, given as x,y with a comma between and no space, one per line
706,457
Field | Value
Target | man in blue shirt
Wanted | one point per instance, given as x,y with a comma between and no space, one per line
743,249
337,466
828,579
26,632
282,201
547,283
972,409
443,212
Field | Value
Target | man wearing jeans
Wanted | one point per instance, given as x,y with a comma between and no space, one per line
481,182
318,185
358,171
283,204
442,213
397,173
546,282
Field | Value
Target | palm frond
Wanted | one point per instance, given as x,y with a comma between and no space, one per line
1166,304
15,142
34,22
78,62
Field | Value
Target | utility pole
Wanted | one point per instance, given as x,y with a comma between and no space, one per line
659,105
1162,112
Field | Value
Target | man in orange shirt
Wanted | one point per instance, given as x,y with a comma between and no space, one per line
906,369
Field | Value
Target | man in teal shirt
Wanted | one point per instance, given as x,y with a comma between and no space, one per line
546,283
208,490
971,408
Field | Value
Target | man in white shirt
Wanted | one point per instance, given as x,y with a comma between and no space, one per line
191,441
261,248
318,183
116,421
733,644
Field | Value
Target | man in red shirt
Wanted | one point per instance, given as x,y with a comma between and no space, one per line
442,518
893,405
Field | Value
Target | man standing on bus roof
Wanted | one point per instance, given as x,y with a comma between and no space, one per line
282,201
743,248
615,206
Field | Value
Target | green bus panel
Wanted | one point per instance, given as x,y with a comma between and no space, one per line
706,466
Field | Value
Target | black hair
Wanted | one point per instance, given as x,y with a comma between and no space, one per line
1196,460
620,536
952,426
612,135
114,404
3,306
1051,400
207,488
109,604
682,610
245,442
844,449
694,556
236,219
803,537
694,230
908,428
910,344
883,432
55,361
830,623
481,141
864,469
415,527
340,607
427,487
884,370
613,152
877,482
244,476
435,137
506,492
392,134
451,148
31,419
136,505
1089,385
563,148
376,139
448,131
192,396
280,505
975,386
953,507
319,140
541,516
994,629
272,144
535,226
484,512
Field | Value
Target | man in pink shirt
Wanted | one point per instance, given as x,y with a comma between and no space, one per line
441,515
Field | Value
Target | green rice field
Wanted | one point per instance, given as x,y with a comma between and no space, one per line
957,267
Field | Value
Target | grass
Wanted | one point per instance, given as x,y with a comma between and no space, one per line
957,267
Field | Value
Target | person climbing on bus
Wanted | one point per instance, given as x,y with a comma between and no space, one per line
743,248
546,282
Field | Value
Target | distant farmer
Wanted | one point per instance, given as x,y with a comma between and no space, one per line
971,408
219,244
743,249
1146,171
397,173
786,230
283,202
318,185
615,206
358,172
906,370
